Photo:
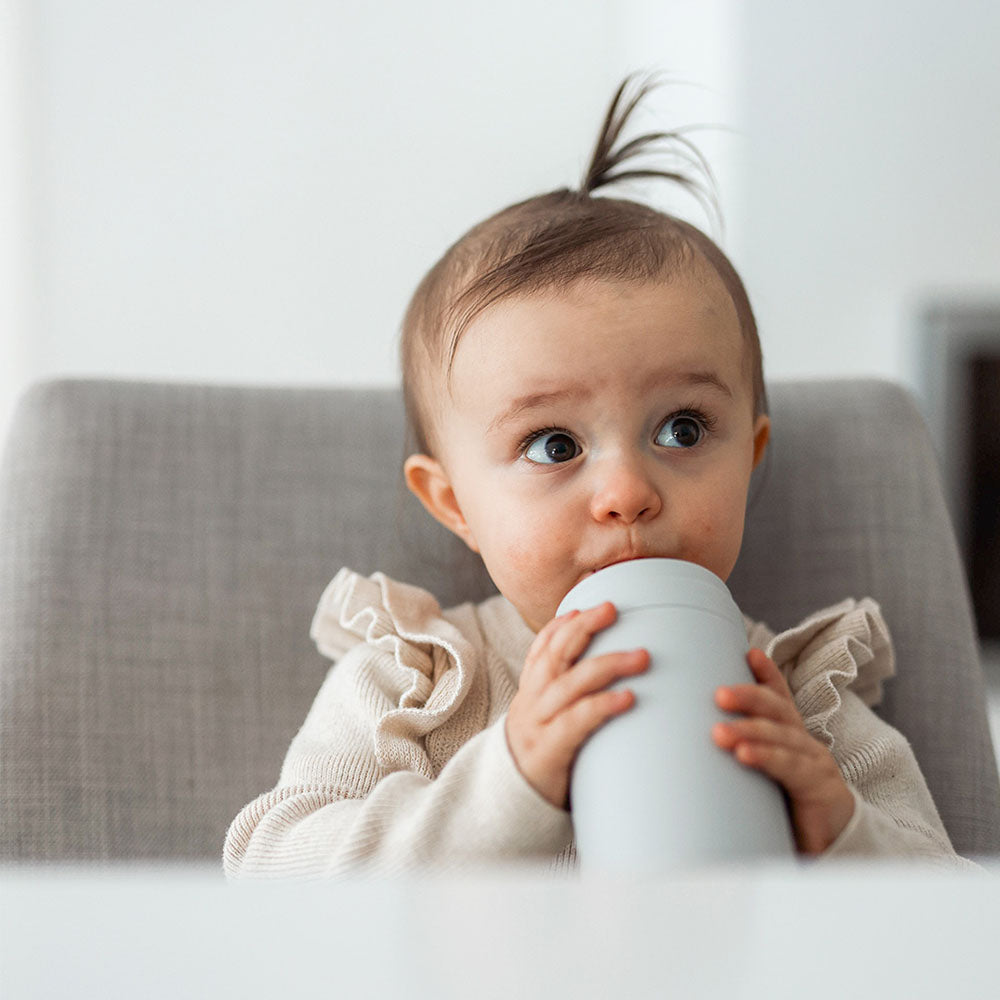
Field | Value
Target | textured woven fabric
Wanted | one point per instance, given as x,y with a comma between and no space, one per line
850,505
163,548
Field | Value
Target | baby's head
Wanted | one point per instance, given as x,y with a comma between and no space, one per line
584,384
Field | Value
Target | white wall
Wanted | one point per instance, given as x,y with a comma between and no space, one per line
871,175
700,43
250,191
14,328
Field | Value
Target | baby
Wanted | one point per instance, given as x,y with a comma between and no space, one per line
584,384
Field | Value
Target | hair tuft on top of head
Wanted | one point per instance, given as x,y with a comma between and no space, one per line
694,174
547,242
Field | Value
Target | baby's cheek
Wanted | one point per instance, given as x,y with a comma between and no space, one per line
697,535
533,561
527,556
713,541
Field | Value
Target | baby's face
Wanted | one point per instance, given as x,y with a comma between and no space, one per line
600,423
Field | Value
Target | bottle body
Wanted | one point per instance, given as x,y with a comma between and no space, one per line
650,792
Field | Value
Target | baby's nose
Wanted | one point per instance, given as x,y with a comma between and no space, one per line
625,493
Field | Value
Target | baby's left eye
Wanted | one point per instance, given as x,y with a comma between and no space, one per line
680,432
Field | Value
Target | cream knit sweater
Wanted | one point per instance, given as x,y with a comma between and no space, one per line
403,763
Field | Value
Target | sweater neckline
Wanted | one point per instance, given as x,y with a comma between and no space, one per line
505,631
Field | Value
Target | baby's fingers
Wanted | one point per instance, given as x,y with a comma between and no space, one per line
571,639
585,716
791,769
820,802
787,754
561,641
766,671
758,700
730,734
588,677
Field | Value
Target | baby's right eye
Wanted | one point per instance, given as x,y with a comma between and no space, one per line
551,448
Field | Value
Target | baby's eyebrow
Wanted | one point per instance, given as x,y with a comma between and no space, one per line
692,378
535,400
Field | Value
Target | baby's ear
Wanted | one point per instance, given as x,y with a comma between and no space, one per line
429,483
761,435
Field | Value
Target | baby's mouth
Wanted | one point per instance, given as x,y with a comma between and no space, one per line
615,561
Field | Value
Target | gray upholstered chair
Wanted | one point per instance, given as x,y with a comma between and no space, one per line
162,549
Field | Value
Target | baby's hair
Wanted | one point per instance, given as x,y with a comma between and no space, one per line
550,241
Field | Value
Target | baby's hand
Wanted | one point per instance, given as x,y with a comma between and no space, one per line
560,701
773,739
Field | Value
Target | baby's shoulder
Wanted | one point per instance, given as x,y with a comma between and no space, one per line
378,611
846,646
354,609
404,669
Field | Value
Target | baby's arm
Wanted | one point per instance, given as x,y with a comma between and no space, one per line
336,810
477,810
501,797
772,738
890,812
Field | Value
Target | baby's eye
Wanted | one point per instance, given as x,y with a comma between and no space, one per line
680,432
549,449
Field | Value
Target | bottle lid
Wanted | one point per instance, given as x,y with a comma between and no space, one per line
647,583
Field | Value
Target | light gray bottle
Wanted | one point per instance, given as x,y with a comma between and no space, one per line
650,791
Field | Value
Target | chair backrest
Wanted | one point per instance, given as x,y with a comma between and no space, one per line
163,547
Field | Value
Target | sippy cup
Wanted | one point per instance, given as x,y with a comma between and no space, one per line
650,792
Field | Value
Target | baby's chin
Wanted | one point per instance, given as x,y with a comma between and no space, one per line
537,615
535,618
534,621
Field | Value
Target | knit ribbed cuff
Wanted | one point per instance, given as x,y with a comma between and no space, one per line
534,826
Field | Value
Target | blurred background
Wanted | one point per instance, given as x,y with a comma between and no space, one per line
250,192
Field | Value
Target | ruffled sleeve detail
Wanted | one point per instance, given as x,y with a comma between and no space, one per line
427,672
843,647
